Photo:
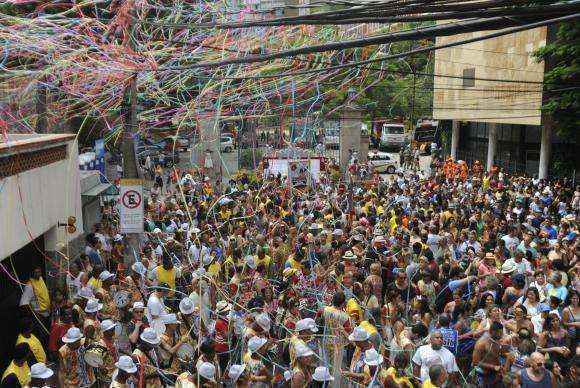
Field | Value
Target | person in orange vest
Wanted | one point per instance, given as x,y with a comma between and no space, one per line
448,168
463,170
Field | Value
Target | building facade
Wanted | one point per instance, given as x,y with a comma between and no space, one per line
487,97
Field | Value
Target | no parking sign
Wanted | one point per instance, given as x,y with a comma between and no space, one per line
131,206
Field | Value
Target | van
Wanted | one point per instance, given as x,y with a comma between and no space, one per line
393,136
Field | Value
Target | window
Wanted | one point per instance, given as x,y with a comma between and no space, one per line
469,77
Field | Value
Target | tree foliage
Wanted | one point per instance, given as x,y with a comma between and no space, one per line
562,97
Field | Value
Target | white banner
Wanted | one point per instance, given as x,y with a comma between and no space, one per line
131,206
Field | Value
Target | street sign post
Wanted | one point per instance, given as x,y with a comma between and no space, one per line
131,206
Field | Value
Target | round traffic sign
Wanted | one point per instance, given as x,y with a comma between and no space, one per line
131,199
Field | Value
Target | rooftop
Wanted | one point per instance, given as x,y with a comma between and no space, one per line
19,143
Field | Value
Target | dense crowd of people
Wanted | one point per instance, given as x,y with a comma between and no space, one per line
463,278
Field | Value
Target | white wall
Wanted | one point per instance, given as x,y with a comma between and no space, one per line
33,202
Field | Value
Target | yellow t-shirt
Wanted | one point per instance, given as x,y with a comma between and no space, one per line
41,293
35,346
428,384
95,284
369,328
214,269
22,372
403,381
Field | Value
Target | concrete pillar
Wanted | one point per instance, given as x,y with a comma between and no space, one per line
492,145
545,151
454,139
350,134
364,148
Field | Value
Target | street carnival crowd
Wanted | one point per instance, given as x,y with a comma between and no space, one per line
461,278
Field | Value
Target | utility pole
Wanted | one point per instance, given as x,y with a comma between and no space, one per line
130,119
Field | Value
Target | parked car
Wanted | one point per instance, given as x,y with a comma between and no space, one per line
382,162
226,144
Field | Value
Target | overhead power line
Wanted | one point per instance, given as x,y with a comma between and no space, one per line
362,43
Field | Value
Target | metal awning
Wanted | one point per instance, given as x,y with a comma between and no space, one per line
96,190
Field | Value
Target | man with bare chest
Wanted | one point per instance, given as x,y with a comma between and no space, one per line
486,357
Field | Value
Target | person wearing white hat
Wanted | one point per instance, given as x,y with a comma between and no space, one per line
304,330
91,325
260,375
206,372
360,337
237,375
39,373
263,322
107,341
147,356
321,377
137,281
171,341
73,371
126,368
302,371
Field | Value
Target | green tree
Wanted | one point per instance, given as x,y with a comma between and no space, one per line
562,96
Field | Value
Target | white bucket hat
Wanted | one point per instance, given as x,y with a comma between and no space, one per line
73,334
222,307
372,357
126,364
508,267
186,306
321,373
86,292
359,334
263,321
207,371
302,350
138,306
105,275
40,371
139,268
236,371
255,343
108,324
93,306
150,336
349,255
306,324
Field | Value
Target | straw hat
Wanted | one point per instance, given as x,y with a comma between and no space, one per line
349,255
508,267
